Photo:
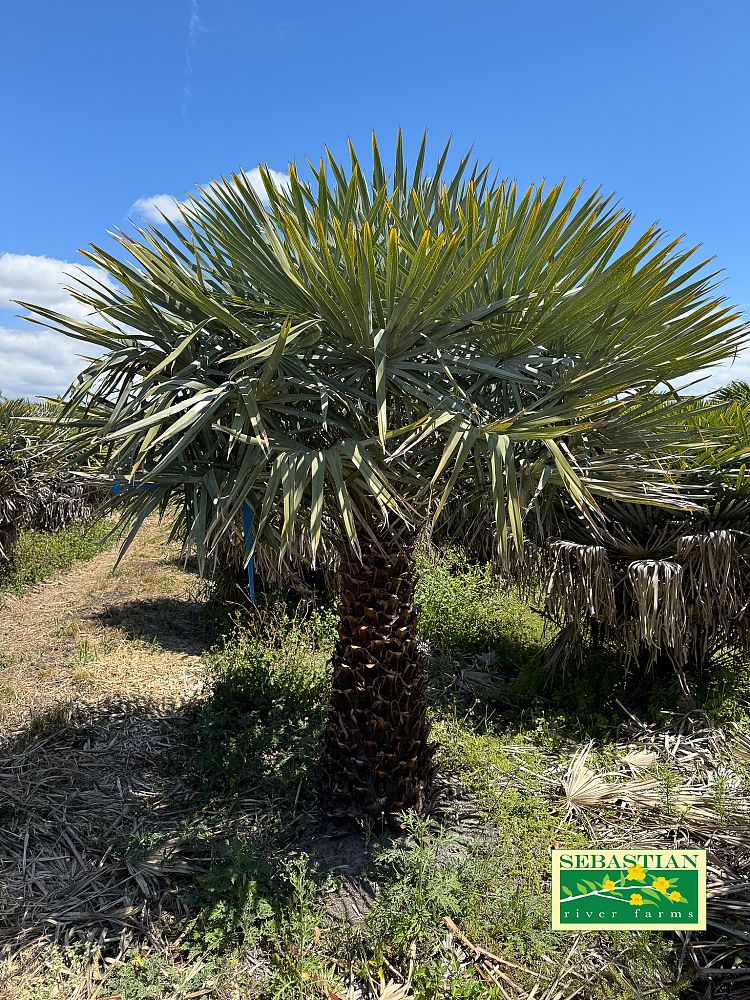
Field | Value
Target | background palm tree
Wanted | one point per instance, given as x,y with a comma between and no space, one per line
660,587
364,354
36,490
737,391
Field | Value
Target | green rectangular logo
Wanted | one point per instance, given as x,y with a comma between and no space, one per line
638,889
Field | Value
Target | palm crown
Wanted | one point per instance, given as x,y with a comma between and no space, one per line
350,351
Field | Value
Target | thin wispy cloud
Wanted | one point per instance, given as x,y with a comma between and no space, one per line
194,31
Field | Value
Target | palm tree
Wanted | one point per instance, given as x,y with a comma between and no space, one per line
663,588
365,353
36,490
737,391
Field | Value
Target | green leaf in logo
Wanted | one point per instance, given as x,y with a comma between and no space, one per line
648,891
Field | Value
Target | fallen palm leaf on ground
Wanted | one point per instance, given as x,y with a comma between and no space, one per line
96,858
696,799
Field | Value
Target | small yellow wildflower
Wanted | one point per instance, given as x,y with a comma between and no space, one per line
608,884
660,883
675,896
637,872
636,899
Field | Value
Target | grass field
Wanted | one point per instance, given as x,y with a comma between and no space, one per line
160,836
38,554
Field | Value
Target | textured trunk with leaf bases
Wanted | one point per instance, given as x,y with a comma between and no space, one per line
377,755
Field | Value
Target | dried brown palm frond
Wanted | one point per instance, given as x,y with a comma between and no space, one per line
701,801
712,562
581,786
580,585
685,607
394,991
638,759
659,616
699,794
740,745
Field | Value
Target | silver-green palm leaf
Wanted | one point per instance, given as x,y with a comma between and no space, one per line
365,348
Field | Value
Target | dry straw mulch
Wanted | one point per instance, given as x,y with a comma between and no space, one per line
90,634
102,831
96,672
101,838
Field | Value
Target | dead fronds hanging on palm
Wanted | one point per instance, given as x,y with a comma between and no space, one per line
658,584
712,570
36,490
659,616
685,606
580,585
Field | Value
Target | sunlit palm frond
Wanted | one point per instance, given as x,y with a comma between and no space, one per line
368,346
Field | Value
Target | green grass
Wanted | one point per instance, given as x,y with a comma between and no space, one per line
260,731
39,554
262,889
465,610
269,687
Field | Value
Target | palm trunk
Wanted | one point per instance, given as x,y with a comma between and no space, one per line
377,756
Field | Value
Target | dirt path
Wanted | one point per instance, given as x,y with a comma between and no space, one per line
89,635
100,675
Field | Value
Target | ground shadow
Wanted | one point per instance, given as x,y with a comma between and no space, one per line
187,565
176,624
507,683
122,819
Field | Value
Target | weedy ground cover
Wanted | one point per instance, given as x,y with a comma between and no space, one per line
221,878
39,554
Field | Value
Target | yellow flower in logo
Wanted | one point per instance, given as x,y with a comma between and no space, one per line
637,872
675,896
660,883
636,899
608,883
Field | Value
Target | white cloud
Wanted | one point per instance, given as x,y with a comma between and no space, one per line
152,207
157,205
35,361
42,281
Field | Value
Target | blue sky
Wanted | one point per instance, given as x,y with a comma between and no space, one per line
108,105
